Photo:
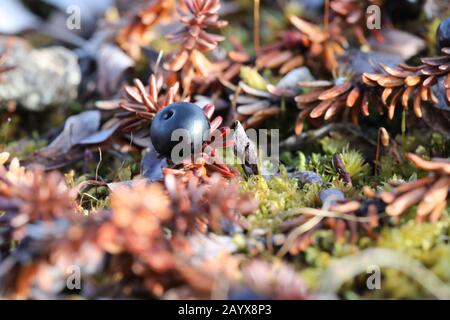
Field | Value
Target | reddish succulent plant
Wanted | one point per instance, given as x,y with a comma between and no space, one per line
189,60
141,103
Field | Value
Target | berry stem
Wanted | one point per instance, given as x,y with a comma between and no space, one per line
403,128
256,22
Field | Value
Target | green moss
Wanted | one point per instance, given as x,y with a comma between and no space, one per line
277,195
334,143
425,242
426,143
315,162
355,165
23,148
413,238
8,129
391,169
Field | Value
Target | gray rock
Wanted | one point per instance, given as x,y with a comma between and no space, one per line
306,177
330,196
41,77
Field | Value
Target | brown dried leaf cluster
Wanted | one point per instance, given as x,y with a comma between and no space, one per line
296,47
430,193
201,15
412,83
195,39
329,99
285,54
327,43
138,32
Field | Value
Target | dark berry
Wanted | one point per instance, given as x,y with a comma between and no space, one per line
179,115
404,10
443,34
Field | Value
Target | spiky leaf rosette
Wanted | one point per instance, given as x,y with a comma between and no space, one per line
296,47
141,247
326,43
32,195
141,103
194,39
430,193
207,202
405,83
137,221
201,15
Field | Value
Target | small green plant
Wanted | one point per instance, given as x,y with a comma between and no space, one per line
354,163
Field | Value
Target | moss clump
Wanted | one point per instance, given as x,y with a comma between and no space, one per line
333,144
391,169
353,161
427,144
277,195
355,165
425,242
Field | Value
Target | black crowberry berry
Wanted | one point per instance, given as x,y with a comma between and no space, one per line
443,34
179,115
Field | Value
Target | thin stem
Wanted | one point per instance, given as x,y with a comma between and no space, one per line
326,16
256,22
404,129
377,159
283,104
